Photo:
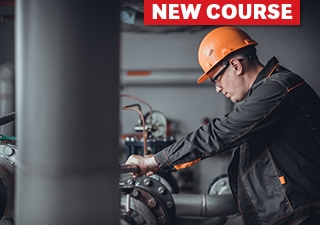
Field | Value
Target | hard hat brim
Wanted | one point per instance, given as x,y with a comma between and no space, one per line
203,78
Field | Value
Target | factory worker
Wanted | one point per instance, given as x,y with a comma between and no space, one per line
274,133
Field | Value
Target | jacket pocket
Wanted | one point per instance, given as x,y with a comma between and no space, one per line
263,185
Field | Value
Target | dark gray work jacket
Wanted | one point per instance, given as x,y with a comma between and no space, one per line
275,134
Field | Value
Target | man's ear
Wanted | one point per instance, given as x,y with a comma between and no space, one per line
236,66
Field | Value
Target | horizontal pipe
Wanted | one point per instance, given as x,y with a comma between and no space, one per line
162,77
199,205
7,118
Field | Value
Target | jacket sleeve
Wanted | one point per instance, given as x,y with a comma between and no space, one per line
267,108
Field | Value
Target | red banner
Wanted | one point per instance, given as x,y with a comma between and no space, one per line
221,12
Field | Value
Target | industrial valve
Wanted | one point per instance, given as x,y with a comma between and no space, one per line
145,201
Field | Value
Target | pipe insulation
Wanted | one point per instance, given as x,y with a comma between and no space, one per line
199,205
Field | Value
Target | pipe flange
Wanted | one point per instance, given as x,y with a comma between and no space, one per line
155,195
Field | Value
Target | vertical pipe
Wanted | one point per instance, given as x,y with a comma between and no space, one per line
67,59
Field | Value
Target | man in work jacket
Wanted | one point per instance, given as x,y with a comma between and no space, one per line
274,132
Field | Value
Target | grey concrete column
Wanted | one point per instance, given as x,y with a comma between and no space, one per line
67,59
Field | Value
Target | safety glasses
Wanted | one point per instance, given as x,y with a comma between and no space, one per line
226,64
214,80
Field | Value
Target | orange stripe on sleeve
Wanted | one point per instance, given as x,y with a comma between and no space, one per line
295,86
185,165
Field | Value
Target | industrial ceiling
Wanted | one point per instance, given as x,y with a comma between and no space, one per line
131,16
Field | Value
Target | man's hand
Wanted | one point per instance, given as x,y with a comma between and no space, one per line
147,165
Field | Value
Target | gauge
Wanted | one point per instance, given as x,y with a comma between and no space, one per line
158,123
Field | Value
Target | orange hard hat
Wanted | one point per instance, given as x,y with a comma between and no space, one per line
219,43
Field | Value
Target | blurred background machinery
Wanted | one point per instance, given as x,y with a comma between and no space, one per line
152,131
8,156
8,159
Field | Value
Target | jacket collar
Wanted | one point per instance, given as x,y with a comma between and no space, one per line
266,72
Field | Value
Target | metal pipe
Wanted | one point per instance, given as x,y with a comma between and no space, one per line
144,131
129,168
7,118
199,205
67,64
163,77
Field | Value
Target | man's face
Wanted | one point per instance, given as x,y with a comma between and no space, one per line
231,83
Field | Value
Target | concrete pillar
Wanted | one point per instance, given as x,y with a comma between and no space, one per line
67,59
